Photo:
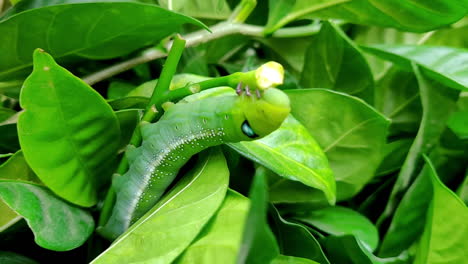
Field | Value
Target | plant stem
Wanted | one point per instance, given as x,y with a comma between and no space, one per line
242,11
219,30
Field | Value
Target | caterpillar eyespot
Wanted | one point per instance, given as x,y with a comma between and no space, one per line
187,128
247,130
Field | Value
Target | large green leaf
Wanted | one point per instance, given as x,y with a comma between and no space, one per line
171,225
444,239
292,153
221,238
13,258
56,224
438,102
333,61
67,145
90,30
409,15
447,65
340,221
351,133
295,240
258,243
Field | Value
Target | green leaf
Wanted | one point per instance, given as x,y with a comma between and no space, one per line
295,240
408,15
56,224
119,89
13,258
340,221
463,189
333,61
6,113
408,221
68,146
15,168
281,259
299,160
397,97
220,239
446,65
282,12
171,225
432,125
89,30
209,9
444,239
131,102
395,154
458,123
347,249
128,121
258,244
353,142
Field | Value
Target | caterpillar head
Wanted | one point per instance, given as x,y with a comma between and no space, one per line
265,112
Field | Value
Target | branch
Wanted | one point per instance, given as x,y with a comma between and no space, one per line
219,30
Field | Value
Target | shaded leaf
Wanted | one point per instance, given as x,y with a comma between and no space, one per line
395,154
9,138
444,239
13,258
119,89
128,120
258,243
432,125
458,123
68,146
56,224
353,142
89,30
333,61
347,249
210,9
220,239
292,153
340,221
131,102
171,225
446,65
295,240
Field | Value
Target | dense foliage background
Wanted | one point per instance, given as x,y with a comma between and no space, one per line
370,167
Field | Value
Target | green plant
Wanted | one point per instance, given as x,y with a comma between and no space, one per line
370,166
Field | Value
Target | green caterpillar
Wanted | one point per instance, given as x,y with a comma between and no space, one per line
185,129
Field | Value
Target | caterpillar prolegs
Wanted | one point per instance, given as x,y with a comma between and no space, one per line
185,129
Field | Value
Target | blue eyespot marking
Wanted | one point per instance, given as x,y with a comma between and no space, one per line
247,130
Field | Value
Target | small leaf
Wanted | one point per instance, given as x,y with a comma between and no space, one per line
444,239
333,61
446,65
56,224
89,30
171,225
458,123
351,133
295,240
258,243
340,221
292,153
68,146
221,238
